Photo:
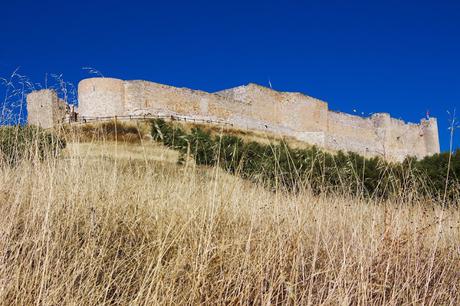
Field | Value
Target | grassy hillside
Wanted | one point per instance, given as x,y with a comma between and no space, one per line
278,164
121,222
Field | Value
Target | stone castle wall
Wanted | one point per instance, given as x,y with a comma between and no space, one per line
101,97
352,133
295,110
258,108
45,108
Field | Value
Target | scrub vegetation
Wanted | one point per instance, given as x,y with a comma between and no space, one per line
204,218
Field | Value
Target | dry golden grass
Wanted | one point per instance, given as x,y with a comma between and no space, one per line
119,130
109,223
137,131
148,151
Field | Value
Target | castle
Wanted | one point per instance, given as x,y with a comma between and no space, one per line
250,107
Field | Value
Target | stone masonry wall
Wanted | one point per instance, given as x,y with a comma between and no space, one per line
248,107
39,108
381,135
44,108
144,98
294,110
101,97
353,133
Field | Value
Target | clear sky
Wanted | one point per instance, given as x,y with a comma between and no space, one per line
401,57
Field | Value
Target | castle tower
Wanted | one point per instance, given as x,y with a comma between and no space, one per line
101,97
45,109
430,135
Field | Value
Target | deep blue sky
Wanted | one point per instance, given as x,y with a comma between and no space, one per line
401,57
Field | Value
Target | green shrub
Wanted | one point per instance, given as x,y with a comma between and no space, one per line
27,142
436,167
230,149
202,147
280,166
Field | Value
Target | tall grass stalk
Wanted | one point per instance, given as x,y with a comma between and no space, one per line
84,229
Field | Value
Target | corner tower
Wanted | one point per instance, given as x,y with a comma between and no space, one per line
431,135
101,97
45,109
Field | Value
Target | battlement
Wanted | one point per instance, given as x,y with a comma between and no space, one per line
249,106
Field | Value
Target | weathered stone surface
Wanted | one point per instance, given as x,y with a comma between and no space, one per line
251,107
101,97
45,109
